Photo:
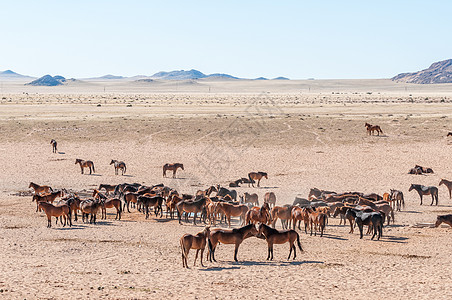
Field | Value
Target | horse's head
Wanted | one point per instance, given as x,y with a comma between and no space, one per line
253,230
411,188
77,160
206,230
439,220
181,166
367,125
441,182
30,185
112,161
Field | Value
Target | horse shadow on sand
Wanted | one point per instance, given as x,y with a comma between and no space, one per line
230,265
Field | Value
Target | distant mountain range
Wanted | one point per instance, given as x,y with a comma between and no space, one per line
438,72
10,75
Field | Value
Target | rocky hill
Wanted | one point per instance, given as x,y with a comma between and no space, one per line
438,72
48,80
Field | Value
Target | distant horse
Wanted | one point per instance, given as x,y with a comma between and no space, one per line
231,210
85,164
425,190
253,176
274,236
119,165
236,183
221,192
172,167
110,203
108,188
40,188
197,242
424,169
90,207
319,220
207,192
372,128
261,215
54,145
270,198
396,199
282,212
448,184
374,219
449,133
190,207
444,218
230,236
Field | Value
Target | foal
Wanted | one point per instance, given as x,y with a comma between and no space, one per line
198,242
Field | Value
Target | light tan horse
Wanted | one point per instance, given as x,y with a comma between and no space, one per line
197,242
119,165
231,210
448,184
270,198
172,167
253,176
55,211
40,188
274,236
372,128
85,164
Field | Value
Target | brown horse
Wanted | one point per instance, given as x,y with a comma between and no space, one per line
55,211
231,210
444,218
207,192
250,198
197,242
54,146
282,212
110,203
372,128
119,165
172,167
147,201
190,207
396,199
261,215
253,176
300,214
85,164
342,211
40,188
274,236
129,197
47,197
270,198
108,188
230,236
318,219
90,207
448,184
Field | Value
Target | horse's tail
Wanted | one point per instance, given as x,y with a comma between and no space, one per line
298,241
125,168
403,201
392,216
93,167
209,243
251,179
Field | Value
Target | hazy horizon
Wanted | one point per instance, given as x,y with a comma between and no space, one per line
294,39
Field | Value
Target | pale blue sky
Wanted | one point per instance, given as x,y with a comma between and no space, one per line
297,39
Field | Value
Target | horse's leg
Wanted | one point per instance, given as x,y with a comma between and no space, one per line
196,257
290,252
235,251
194,218
421,197
49,222
174,173
258,182
433,199
202,253
81,168
269,250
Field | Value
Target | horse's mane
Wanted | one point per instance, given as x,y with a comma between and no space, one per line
242,229
269,229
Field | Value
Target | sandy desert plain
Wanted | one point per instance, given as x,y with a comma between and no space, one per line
303,133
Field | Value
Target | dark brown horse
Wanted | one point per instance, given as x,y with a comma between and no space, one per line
172,167
119,165
230,236
425,190
111,203
85,164
274,236
197,242
444,218
448,184
253,176
54,146
372,128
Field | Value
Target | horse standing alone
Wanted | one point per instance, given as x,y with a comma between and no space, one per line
425,190
119,165
85,164
172,167
54,145
371,128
